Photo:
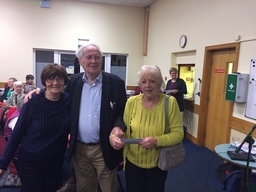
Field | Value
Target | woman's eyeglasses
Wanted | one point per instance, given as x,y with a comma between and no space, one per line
57,79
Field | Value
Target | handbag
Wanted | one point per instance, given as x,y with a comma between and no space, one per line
170,156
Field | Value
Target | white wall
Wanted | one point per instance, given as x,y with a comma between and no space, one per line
24,25
205,23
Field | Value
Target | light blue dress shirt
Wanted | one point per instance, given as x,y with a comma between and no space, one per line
89,118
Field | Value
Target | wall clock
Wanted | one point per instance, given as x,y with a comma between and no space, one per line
183,41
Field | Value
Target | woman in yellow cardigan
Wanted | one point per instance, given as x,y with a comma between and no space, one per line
145,119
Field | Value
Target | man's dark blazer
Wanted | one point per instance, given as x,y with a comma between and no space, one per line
111,113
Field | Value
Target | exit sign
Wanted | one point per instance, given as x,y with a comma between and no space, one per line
219,70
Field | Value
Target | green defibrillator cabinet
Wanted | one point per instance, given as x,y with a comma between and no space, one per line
236,87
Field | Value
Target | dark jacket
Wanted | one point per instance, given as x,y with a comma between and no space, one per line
4,96
113,90
180,85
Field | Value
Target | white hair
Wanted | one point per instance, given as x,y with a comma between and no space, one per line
16,83
79,52
153,70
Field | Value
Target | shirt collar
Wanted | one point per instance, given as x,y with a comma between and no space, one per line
98,78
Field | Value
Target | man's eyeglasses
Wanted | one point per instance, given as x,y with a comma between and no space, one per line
57,79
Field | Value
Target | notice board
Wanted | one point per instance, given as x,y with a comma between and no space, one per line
250,110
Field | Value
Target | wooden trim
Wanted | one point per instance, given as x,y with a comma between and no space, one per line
237,124
130,87
241,125
2,84
191,106
196,109
145,32
191,138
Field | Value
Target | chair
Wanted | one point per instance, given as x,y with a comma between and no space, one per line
10,112
137,90
10,178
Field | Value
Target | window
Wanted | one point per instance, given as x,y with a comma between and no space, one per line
112,63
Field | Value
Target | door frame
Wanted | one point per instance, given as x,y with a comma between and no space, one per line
207,67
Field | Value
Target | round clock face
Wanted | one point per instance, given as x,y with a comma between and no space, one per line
183,41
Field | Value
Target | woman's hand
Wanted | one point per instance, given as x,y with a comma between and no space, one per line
174,91
29,95
148,142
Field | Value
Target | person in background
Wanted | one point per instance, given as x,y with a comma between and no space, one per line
176,87
144,117
8,90
11,103
17,93
12,118
29,84
28,88
98,100
11,121
29,80
41,134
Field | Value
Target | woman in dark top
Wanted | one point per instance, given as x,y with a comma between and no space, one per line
176,87
41,134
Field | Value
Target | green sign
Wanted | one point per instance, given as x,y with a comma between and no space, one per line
231,87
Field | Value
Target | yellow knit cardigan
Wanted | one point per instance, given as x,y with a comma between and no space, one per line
141,123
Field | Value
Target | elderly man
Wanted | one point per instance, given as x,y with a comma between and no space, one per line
98,100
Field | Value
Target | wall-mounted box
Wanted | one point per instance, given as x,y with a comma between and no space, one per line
236,87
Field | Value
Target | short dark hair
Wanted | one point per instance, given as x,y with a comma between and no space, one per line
29,77
51,71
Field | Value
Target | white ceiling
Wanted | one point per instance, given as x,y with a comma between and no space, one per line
135,3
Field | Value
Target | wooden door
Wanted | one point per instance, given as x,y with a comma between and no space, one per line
218,111
215,112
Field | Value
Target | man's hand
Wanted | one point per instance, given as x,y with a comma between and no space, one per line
29,95
117,131
114,138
